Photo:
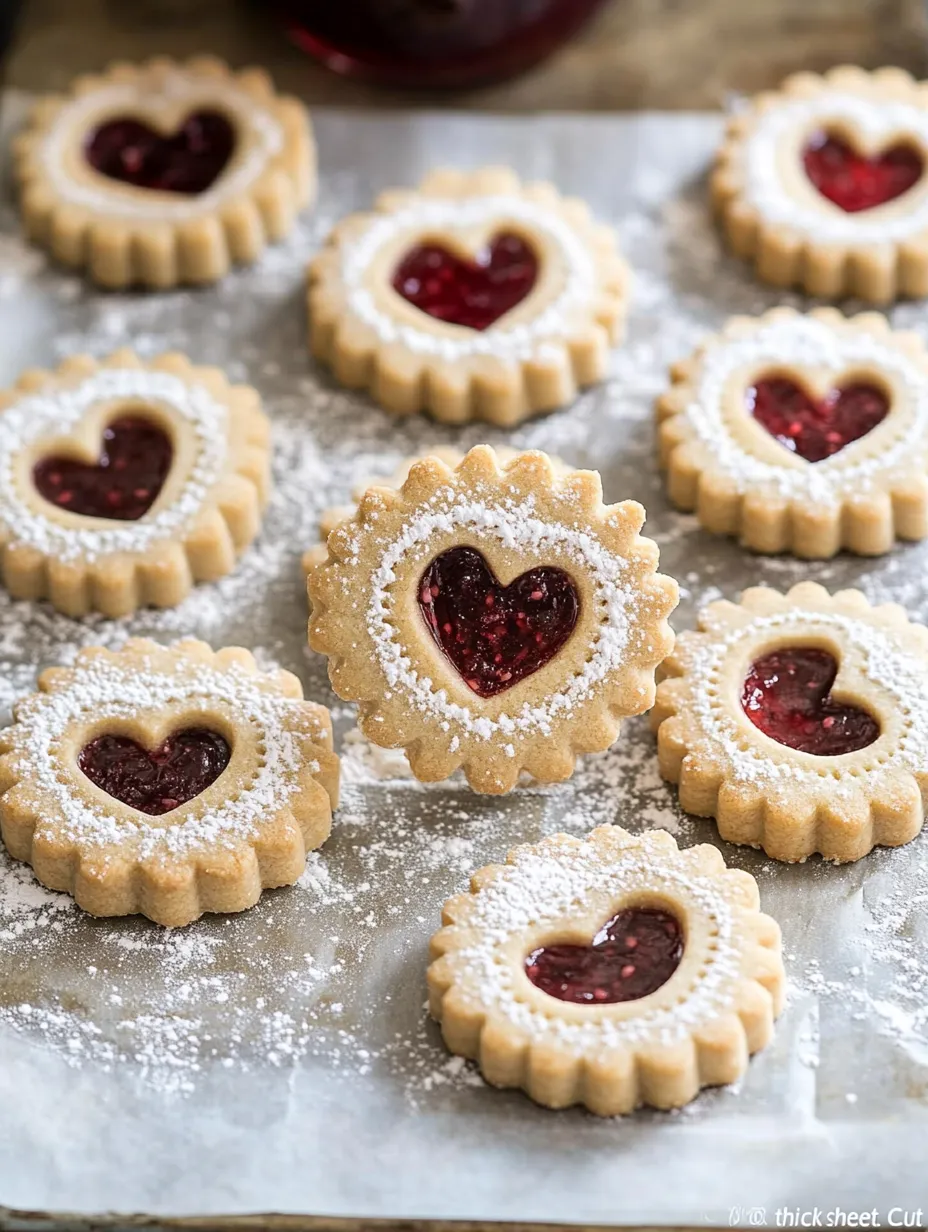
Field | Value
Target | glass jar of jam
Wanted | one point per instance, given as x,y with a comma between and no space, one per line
432,43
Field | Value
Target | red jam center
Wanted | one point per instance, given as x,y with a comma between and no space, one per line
496,635
854,181
471,293
787,694
123,484
187,161
159,780
632,955
816,429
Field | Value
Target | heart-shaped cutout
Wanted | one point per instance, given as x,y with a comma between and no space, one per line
188,161
496,635
462,292
787,694
122,484
816,428
854,181
632,955
159,780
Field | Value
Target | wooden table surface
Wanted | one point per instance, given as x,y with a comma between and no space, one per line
637,54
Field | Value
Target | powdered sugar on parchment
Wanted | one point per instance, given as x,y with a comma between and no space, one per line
327,978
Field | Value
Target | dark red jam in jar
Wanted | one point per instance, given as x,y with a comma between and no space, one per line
428,43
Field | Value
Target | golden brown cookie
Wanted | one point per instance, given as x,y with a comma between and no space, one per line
800,722
166,781
611,972
164,172
123,482
823,185
495,618
802,433
472,297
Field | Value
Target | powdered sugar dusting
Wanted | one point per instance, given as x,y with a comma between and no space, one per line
53,413
803,343
515,524
876,120
884,659
546,886
98,690
318,992
262,132
429,215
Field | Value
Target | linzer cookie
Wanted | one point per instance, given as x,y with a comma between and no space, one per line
164,172
802,433
822,184
800,722
473,297
166,781
611,972
122,483
498,619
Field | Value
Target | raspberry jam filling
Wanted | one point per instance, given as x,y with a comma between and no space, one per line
471,293
632,955
156,781
854,181
816,429
787,694
188,161
122,484
496,635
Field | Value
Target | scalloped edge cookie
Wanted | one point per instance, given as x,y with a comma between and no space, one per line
774,216
764,794
208,510
123,235
534,359
365,617
741,481
696,1030
248,831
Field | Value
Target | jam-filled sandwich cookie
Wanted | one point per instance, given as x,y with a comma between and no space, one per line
166,781
473,297
122,483
800,722
611,972
498,619
822,184
802,433
164,172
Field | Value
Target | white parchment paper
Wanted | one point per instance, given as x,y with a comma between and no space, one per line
281,1060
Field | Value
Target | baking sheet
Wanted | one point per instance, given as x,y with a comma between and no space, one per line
281,1060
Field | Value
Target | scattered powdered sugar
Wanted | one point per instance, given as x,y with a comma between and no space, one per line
878,121
261,130
99,689
327,977
429,215
805,343
877,653
55,412
545,886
